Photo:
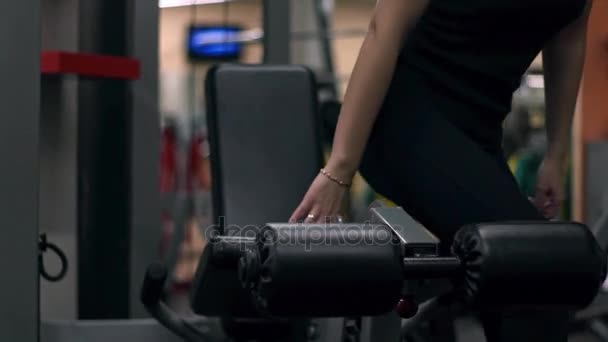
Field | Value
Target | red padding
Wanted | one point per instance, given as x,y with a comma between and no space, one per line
87,65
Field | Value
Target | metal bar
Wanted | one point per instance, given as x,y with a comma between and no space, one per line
58,139
148,330
277,44
596,188
434,267
19,141
326,49
103,169
145,147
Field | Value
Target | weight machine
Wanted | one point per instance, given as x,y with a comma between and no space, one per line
252,281
341,270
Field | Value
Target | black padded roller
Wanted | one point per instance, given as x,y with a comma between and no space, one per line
531,265
325,271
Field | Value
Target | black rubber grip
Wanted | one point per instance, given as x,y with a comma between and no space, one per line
154,283
433,267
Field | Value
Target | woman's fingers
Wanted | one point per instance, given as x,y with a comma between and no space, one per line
313,216
321,204
330,214
549,202
301,211
552,208
320,215
310,212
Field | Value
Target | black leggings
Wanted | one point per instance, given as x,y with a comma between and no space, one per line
448,172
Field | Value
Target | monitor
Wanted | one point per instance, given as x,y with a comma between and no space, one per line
213,43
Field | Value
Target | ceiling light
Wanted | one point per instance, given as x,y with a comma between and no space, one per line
182,3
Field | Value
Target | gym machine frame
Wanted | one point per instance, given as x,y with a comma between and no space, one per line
401,264
19,147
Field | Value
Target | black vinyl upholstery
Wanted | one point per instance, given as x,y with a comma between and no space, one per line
265,151
531,265
335,270
265,141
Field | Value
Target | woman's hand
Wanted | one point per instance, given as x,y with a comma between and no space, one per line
323,202
390,25
549,188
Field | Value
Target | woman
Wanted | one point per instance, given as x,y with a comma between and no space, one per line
422,118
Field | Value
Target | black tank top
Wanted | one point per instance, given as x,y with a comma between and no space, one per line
476,51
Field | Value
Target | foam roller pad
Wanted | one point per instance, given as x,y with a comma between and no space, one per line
538,265
338,270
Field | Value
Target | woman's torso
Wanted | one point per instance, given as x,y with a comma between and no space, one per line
474,52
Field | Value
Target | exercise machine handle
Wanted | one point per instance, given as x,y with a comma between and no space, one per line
432,267
151,296
154,282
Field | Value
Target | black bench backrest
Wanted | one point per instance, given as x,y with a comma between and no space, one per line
264,136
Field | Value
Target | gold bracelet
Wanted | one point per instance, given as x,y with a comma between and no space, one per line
334,179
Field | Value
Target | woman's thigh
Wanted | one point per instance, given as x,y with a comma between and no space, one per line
446,180
440,176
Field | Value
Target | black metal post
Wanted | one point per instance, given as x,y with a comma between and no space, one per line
103,169
326,46
277,32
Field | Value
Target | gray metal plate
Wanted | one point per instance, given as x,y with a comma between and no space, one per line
411,233
140,330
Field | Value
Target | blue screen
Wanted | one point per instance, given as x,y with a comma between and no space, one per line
213,42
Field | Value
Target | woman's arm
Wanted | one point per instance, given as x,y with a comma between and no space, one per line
563,59
370,79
